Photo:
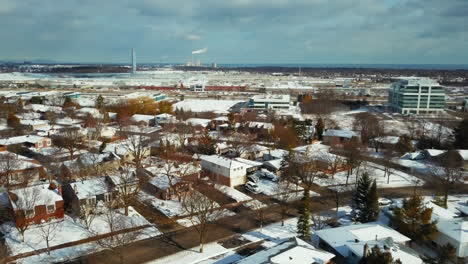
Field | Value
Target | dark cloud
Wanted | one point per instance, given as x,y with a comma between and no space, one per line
372,31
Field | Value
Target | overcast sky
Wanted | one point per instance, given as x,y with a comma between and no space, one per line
236,31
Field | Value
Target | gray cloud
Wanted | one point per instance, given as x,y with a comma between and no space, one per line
315,31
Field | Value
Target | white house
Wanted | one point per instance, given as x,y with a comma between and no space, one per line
291,251
348,242
455,232
225,171
164,118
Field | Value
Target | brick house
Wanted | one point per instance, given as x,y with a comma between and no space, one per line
86,193
337,137
38,203
181,180
18,170
27,141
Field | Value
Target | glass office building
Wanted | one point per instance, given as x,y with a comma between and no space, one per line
416,96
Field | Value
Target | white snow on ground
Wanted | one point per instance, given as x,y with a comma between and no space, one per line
192,255
218,215
271,188
375,171
170,208
67,231
205,105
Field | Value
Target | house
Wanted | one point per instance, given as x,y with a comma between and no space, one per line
146,120
169,181
86,193
291,251
455,232
348,243
199,122
125,149
334,137
148,131
18,170
34,124
224,171
89,162
38,203
259,127
165,119
27,141
432,154
124,181
251,166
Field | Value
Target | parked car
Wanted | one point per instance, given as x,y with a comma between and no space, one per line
384,201
271,176
252,187
253,177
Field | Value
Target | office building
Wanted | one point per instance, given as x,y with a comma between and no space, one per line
416,96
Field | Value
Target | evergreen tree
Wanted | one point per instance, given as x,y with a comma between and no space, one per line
373,203
365,200
460,134
413,219
303,223
319,128
99,102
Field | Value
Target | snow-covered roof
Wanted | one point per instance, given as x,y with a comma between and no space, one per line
276,163
164,115
456,228
434,152
293,251
221,118
142,118
463,154
262,125
33,122
250,163
198,122
387,139
339,133
340,237
89,188
41,194
90,110
16,162
43,108
224,162
68,121
403,253
32,139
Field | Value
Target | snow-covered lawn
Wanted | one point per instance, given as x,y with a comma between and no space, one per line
205,105
170,208
187,222
69,230
271,188
375,171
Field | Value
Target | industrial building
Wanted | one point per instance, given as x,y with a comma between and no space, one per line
280,101
416,96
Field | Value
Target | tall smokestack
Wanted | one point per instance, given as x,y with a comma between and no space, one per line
133,61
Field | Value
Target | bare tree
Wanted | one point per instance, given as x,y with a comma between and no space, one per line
201,210
387,163
24,202
137,147
284,196
412,126
448,172
127,185
9,164
48,232
87,214
306,169
121,231
259,210
318,222
71,140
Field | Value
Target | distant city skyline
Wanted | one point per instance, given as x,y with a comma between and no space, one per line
237,31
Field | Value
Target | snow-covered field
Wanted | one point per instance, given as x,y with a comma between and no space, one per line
375,171
68,230
205,105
